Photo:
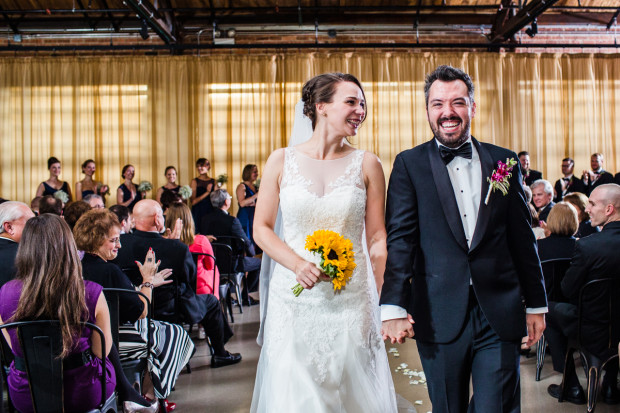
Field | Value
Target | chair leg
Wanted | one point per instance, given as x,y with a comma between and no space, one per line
593,381
540,355
239,299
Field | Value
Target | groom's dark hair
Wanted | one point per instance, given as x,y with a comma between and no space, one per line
447,73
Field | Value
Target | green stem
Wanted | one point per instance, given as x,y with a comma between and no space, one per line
297,289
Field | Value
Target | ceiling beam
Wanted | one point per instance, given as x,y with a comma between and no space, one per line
501,16
153,19
9,21
525,16
614,19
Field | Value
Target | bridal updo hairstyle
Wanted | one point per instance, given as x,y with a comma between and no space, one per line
321,89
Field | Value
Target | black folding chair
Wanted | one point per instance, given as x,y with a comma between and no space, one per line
41,343
133,369
553,271
224,289
601,294
227,263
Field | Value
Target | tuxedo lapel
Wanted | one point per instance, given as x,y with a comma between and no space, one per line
446,194
484,211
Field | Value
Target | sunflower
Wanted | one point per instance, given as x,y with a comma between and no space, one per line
337,257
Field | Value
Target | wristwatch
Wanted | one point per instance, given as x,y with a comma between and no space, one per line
147,284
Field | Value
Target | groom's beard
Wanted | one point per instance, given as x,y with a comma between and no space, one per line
451,141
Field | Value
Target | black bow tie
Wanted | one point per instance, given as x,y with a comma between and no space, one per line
447,154
566,179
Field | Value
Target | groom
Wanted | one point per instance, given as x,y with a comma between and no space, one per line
462,275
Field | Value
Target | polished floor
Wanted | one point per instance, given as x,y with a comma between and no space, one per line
229,389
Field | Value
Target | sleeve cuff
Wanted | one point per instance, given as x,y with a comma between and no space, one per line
390,312
537,310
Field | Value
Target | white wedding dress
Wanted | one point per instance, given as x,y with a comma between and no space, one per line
322,351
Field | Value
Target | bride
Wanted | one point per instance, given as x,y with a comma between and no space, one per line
322,351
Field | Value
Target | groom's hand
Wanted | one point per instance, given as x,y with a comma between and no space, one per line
535,327
398,329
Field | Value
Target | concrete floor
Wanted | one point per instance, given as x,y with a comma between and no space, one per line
229,389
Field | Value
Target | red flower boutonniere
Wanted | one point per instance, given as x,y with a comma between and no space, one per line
499,178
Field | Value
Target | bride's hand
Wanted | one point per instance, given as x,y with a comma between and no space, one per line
307,274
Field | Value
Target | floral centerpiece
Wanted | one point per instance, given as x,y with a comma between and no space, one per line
186,192
499,178
336,255
62,195
144,186
221,179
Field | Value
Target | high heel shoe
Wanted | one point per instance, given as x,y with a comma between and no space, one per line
133,407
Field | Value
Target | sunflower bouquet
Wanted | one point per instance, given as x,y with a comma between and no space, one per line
336,254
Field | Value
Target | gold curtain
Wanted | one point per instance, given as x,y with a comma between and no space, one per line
236,109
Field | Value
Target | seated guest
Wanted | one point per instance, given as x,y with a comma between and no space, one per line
569,182
95,201
34,204
595,257
539,232
542,196
13,217
206,281
529,175
168,198
562,225
124,217
48,267
204,309
50,205
580,202
74,211
596,175
218,222
97,233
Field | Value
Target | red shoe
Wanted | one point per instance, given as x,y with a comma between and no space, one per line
170,406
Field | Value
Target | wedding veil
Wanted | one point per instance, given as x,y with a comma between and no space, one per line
302,131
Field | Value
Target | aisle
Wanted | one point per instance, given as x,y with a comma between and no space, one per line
229,389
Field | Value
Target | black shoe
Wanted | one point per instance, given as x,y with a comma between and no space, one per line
250,301
227,360
574,394
610,394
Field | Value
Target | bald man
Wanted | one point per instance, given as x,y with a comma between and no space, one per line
13,217
204,309
596,256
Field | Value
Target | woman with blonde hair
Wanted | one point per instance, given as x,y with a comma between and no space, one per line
49,285
580,202
207,275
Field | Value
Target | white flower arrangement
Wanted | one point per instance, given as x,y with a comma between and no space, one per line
144,186
62,195
221,179
185,191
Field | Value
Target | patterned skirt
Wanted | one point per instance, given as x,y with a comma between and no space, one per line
171,349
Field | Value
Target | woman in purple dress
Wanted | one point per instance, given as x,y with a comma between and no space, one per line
47,256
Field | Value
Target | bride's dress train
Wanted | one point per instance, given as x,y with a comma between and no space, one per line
323,351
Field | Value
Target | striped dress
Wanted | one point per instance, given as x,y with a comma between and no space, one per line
171,346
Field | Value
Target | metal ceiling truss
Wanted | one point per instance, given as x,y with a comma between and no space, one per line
525,16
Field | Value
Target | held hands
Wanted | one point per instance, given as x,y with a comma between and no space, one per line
398,329
535,327
307,274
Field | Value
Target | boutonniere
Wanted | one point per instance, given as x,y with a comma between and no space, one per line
499,178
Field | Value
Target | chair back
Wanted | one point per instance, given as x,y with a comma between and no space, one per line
599,314
238,250
224,257
197,256
112,297
554,271
41,343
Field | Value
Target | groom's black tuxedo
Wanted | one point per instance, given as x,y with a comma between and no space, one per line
427,247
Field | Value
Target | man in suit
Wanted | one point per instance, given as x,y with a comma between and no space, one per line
204,309
460,264
542,197
597,175
569,182
596,256
219,222
529,175
13,217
